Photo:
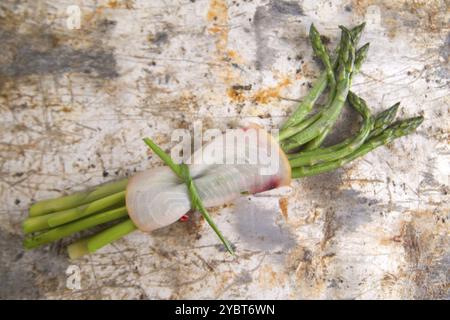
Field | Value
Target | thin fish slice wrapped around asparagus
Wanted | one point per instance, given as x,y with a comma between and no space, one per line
239,161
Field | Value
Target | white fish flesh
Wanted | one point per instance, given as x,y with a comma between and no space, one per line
221,172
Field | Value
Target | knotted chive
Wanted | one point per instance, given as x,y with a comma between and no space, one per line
182,171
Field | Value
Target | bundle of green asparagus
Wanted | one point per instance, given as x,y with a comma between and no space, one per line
130,204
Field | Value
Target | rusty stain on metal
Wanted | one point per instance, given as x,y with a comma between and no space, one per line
266,95
261,96
283,203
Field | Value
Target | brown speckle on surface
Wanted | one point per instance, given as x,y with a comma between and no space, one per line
266,95
411,243
236,95
329,227
283,203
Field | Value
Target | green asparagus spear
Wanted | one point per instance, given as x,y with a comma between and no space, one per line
55,219
109,235
329,116
290,131
384,119
76,199
76,226
321,51
356,32
396,130
316,156
358,108
93,243
360,56
307,103
319,86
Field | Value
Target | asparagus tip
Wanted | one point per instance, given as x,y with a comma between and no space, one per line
344,29
405,127
394,109
365,47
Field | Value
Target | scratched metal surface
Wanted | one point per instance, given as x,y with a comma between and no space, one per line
75,103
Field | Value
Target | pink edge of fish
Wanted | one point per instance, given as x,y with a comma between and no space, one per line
155,198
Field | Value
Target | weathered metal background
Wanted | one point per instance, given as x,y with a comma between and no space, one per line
75,103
